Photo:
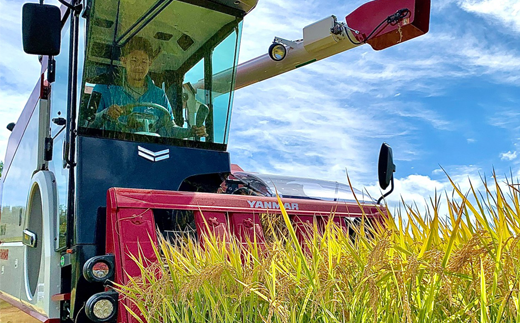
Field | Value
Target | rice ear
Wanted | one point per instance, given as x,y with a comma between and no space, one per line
463,266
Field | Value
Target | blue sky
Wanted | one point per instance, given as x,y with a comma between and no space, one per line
450,98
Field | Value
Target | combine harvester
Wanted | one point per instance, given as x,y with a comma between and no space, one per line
86,182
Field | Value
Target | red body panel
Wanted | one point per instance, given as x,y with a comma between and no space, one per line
367,17
207,202
131,226
214,222
247,226
130,231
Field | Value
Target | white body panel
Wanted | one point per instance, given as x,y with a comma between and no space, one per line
318,36
43,131
50,271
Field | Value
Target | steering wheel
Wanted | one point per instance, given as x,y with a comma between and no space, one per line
148,117
245,191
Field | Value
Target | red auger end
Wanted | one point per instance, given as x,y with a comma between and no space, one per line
385,23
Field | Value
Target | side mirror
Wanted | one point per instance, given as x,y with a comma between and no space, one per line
386,169
41,29
10,126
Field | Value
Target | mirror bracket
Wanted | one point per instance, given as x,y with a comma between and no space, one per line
76,8
386,169
51,70
387,193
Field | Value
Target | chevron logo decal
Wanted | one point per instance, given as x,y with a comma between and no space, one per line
153,156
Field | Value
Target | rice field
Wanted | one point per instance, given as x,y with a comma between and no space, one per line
463,266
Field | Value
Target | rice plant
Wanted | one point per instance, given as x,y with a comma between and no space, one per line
462,267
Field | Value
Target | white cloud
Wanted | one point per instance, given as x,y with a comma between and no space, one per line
343,107
11,104
506,12
309,133
18,71
416,111
419,190
508,156
497,60
506,118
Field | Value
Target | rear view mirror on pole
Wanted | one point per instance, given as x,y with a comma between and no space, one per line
386,169
41,28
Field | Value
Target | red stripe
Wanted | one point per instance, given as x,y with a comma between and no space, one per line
26,309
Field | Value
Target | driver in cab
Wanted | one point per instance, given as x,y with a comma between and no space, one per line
136,104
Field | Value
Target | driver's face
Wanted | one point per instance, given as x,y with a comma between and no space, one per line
137,64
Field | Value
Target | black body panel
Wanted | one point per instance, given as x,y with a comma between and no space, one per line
106,163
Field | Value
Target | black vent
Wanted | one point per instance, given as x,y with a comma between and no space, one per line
185,42
101,50
104,23
163,36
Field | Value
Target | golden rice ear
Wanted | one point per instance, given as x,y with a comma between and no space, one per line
421,268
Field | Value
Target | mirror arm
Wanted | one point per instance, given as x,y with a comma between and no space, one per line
76,8
51,70
388,193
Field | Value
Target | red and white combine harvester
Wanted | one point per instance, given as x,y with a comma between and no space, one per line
126,131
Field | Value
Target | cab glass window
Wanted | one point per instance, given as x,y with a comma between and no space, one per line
159,70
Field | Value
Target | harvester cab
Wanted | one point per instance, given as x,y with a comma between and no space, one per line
126,132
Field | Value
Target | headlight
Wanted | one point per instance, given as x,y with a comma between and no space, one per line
277,51
99,269
102,307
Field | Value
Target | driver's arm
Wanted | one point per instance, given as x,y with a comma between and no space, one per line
103,109
107,111
166,122
166,127
166,103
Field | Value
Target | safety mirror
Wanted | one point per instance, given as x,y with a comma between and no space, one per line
386,167
41,29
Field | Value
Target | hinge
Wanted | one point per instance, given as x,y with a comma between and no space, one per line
46,90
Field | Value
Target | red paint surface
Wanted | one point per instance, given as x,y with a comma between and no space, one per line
4,254
130,231
247,227
60,297
212,223
236,168
368,16
207,202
